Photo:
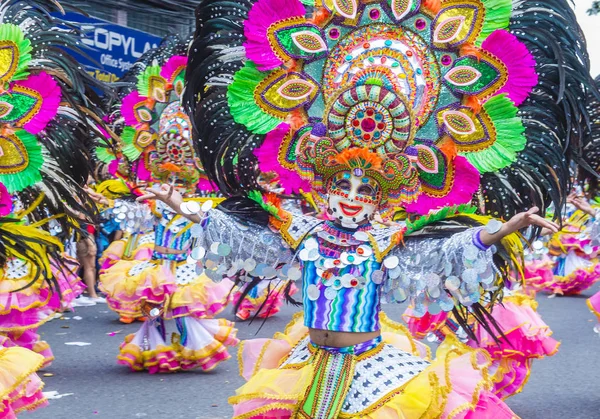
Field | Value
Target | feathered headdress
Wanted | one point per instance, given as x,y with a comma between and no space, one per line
457,98
48,110
155,142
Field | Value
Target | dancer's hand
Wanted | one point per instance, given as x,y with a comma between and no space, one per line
165,193
519,222
582,204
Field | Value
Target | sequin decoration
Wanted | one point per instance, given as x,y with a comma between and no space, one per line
397,57
157,86
403,9
309,42
9,59
469,131
13,155
282,92
477,76
458,23
20,105
346,8
371,116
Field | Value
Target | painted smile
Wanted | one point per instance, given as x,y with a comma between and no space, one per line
350,210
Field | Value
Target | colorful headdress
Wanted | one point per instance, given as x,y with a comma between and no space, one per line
47,109
155,142
445,93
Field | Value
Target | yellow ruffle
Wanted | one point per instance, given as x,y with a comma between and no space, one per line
117,280
425,396
202,291
16,364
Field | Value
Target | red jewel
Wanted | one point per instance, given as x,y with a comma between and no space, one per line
356,123
383,60
337,262
381,125
344,240
354,282
370,112
367,137
409,53
360,251
366,45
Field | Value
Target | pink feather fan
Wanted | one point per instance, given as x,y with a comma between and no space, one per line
262,15
465,186
267,155
522,77
51,95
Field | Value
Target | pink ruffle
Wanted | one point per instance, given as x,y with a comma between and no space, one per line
51,95
267,155
172,65
528,338
538,274
69,283
420,327
594,304
29,339
466,183
577,282
262,15
522,76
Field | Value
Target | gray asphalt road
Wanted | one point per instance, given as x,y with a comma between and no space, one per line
564,386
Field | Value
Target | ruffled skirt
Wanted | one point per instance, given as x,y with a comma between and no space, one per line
574,274
20,387
136,247
594,304
200,344
290,377
176,285
527,338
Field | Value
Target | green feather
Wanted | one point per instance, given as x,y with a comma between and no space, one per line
9,32
31,174
130,150
243,107
446,212
143,84
105,155
497,16
510,136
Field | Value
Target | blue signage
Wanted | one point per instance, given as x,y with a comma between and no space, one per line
113,48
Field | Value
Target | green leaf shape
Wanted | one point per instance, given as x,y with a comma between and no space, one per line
510,136
30,175
497,16
489,75
143,83
22,105
10,32
129,149
446,212
105,154
243,106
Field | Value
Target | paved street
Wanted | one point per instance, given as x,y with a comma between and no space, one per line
566,386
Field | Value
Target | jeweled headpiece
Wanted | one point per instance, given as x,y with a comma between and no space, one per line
440,91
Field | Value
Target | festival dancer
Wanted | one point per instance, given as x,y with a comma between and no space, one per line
47,116
167,290
382,105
